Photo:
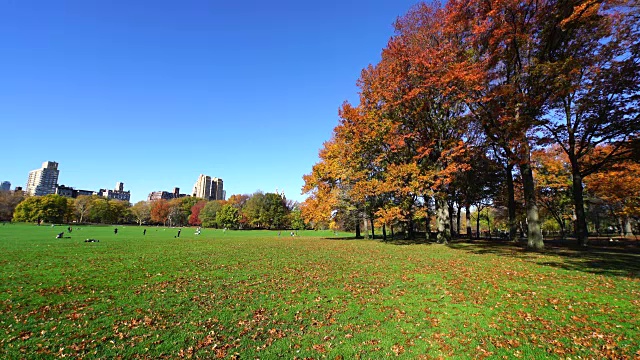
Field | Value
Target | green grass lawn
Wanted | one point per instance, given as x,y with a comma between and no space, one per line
254,294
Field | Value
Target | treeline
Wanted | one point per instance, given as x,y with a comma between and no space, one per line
256,211
506,107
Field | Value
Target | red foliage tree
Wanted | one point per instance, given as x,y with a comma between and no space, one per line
195,213
160,210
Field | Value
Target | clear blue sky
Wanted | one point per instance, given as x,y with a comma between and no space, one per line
154,93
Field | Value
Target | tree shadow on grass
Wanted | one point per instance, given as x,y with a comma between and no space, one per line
620,258
343,238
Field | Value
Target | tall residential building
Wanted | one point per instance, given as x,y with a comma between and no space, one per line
217,189
202,187
43,181
5,186
209,188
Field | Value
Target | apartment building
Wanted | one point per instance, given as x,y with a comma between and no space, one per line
43,181
209,188
166,195
5,186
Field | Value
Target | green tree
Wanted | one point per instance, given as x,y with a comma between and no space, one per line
120,211
209,212
253,209
296,219
228,217
48,208
266,211
102,211
275,211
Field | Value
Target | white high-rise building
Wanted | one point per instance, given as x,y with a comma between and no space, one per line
208,188
43,181
202,187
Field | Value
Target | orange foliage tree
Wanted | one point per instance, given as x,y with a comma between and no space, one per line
619,188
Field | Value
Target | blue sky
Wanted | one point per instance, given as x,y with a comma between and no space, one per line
154,93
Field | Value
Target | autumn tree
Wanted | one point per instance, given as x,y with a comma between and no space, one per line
553,184
194,218
595,92
9,200
82,207
619,188
160,211
178,212
501,74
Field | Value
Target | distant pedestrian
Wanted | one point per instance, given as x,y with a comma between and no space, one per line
144,232
115,231
69,229
179,232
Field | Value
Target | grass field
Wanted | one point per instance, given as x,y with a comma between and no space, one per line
253,294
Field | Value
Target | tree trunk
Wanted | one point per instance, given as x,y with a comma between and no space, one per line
410,227
458,213
366,228
511,204
467,211
442,219
628,231
578,200
620,226
373,229
358,235
392,235
534,235
452,228
427,227
384,232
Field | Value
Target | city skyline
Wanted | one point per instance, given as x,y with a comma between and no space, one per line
246,91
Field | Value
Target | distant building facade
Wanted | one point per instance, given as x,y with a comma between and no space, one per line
66,191
43,181
166,195
209,188
5,186
117,194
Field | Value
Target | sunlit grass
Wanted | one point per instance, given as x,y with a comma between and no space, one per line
258,294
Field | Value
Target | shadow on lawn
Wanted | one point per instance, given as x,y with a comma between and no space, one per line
601,257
